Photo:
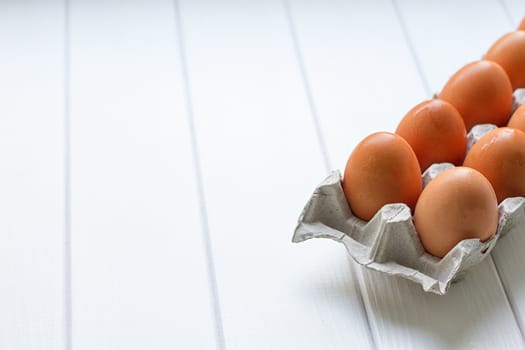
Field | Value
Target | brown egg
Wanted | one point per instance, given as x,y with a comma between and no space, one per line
509,52
517,121
482,93
500,156
382,169
457,204
436,132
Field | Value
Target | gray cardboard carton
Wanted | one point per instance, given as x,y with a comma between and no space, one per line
389,242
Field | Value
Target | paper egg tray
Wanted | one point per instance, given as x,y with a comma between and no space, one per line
389,242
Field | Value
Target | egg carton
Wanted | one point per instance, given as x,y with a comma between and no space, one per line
389,242
518,99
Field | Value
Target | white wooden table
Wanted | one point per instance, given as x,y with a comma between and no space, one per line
155,155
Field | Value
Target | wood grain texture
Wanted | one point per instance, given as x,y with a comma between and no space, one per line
446,39
32,175
361,73
138,263
264,80
359,59
260,162
491,22
508,257
508,254
515,11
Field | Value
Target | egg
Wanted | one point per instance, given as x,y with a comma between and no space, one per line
522,24
436,132
382,169
482,93
509,52
457,204
517,120
500,156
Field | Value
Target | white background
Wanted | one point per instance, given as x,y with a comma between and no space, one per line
155,155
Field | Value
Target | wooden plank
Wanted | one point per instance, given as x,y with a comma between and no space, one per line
32,175
139,269
260,161
445,40
508,255
515,10
358,60
491,22
362,76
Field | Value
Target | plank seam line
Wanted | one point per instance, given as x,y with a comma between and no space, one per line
307,88
324,150
68,321
362,296
412,49
511,305
508,13
510,302
212,276
429,92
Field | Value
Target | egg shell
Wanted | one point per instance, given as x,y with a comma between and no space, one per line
382,169
458,204
436,132
517,120
482,93
509,52
500,156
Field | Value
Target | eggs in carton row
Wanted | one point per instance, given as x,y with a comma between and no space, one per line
389,242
